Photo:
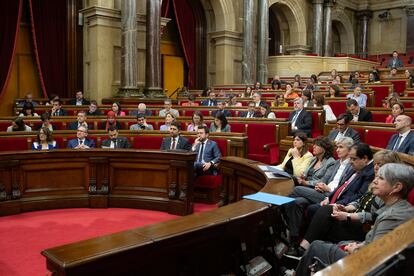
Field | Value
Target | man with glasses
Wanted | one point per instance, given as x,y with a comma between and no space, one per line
343,129
257,99
211,101
358,114
167,109
251,111
81,141
354,182
141,124
300,119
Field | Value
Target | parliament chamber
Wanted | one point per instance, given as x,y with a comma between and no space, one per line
166,79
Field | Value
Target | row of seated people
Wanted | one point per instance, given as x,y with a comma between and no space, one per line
332,106
347,203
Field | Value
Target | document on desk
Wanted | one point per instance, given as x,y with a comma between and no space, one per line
269,198
274,172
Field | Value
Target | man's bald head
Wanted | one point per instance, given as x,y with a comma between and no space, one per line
403,123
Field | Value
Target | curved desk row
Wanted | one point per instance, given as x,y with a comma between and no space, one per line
96,178
209,243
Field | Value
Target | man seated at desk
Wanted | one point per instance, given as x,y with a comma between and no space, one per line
81,141
208,153
114,141
175,141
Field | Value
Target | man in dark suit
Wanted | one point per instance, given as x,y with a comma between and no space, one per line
221,108
358,113
81,141
114,141
211,100
395,61
251,111
257,99
93,109
175,141
300,119
403,141
343,129
79,100
353,183
208,153
81,121
57,109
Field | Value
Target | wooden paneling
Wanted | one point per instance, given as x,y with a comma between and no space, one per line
95,178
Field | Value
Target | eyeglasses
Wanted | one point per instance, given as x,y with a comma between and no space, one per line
354,158
339,124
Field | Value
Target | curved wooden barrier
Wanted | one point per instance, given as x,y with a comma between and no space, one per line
96,178
188,244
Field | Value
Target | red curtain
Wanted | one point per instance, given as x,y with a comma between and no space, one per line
48,19
9,28
186,24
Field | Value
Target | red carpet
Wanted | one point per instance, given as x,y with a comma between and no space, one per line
24,236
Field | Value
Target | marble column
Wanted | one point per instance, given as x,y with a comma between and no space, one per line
262,40
129,72
317,26
153,57
247,63
363,17
328,28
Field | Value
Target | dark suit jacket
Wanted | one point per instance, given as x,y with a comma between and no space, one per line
84,102
182,144
364,115
407,146
206,102
243,114
74,143
350,132
62,112
96,113
303,122
211,151
74,126
357,187
135,113
121,143
398,63
226,112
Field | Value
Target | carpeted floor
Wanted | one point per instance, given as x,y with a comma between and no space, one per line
24,236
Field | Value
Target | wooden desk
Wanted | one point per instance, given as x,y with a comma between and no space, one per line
96,178
206,242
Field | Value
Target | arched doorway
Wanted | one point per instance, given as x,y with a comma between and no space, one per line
287,28
185,37
336,39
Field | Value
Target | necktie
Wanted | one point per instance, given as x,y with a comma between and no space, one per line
339,191
173,144
115,144
80,142
200,153
397,143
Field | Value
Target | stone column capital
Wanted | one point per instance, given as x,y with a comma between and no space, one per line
410,10
329,3
315,2
364,15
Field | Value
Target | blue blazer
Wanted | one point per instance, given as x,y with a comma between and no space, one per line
407,145
211,151
206,102
357,187
74,143
226,112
